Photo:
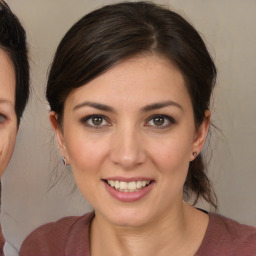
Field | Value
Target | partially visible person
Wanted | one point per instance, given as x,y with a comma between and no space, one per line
129,91
14,87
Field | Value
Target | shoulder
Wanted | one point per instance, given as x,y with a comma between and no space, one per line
2,241
52,239
225,236
233,230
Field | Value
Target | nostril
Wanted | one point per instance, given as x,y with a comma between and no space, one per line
127,149
128,159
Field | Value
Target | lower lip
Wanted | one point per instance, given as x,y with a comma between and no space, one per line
129,196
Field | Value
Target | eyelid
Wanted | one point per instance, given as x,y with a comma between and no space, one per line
85,119
170,119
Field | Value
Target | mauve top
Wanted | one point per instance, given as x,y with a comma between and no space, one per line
70,237
2,241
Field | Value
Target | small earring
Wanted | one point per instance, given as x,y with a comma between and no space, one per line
64,161
195,154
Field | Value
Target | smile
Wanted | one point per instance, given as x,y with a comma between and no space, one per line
129,187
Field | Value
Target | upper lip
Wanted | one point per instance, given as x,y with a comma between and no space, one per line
125,179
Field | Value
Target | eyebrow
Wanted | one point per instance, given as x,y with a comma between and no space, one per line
147,108
94,105
159,105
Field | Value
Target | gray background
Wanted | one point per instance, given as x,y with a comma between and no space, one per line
228,27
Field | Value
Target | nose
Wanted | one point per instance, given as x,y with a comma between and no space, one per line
127,149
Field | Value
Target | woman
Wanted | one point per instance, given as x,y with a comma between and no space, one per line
14,84
129,91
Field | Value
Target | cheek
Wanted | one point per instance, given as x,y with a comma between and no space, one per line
86,153
87,157
172,158
173,168
7,141
172,152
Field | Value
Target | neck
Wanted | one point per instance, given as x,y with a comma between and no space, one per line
168,234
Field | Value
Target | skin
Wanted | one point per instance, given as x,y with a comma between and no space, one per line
129,144
8,120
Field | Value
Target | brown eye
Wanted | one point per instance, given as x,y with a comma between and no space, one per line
2,118
158,121
97,120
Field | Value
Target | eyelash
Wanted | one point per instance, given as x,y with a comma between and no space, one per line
170,120
86,120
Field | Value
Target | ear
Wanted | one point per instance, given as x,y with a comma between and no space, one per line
59,135
201,135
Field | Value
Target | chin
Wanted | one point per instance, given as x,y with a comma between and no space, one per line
128,217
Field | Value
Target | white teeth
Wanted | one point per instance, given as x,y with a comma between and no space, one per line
111,183
132,186
123,185
116,185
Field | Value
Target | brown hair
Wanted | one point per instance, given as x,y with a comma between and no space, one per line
113,33
13,42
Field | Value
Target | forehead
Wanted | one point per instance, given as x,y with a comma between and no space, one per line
139,80
7,78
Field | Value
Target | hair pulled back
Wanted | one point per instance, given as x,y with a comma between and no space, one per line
113,33
13,42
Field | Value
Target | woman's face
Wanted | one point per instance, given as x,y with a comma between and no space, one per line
129,136
8,120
